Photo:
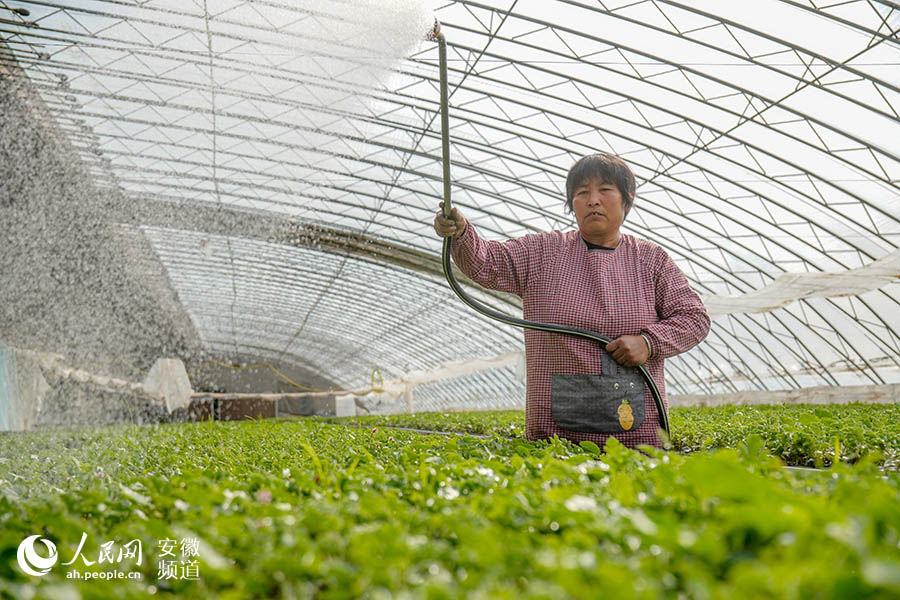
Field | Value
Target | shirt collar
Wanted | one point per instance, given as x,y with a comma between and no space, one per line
592,246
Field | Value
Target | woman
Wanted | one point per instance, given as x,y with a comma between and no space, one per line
596,278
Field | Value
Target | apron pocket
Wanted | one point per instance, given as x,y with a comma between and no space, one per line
611,403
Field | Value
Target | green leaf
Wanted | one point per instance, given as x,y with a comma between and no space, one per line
591,447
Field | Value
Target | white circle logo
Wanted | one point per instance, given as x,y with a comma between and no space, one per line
30,561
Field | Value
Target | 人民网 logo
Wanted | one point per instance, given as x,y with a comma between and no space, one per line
30,561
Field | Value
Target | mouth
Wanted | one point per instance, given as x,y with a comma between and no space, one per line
594,214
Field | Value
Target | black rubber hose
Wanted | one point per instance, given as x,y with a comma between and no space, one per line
564,329
486,310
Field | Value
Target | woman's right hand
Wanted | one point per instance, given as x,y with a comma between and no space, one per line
453,227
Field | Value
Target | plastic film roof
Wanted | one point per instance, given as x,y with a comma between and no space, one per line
765,137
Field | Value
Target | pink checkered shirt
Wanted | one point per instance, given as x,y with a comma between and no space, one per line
634,289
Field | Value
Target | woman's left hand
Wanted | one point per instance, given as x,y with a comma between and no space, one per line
629,350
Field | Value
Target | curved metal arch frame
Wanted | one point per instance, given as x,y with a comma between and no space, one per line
713,129
786,248
722,357
822,366
749,349
397,148
257,353
758,149
324,349
320,349
357,287
298,271
350,342
841,132
843,21
751,59
653,57
872,311
705,126
774,201
845,340
184,260
230,168
798,49
351,298
789,250
550,25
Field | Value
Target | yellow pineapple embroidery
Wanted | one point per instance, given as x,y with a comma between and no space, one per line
626,417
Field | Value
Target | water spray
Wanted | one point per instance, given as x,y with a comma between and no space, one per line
436,35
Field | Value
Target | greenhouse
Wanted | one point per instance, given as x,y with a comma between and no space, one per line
234,361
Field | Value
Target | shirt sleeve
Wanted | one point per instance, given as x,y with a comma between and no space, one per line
684,322
504,266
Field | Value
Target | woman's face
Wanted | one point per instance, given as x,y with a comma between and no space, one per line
599,211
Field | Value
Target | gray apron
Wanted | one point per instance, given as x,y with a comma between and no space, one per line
609,403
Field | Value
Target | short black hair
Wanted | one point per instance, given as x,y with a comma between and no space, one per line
604,167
